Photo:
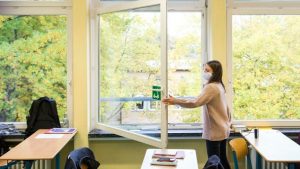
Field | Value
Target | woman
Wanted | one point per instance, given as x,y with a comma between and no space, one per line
216,115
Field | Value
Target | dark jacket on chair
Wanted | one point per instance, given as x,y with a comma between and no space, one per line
81,156
213,162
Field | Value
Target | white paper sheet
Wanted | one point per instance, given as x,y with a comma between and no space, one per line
47,136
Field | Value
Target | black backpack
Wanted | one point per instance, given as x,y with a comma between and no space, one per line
213,162
81,156
42,115
4,147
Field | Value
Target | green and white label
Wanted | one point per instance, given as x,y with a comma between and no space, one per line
156,92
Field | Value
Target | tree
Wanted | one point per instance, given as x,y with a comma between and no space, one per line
266,68
130,64
32,63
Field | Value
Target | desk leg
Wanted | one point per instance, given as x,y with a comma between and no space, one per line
291,166
57,161
258,160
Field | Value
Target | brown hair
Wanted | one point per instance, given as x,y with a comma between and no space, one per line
217,72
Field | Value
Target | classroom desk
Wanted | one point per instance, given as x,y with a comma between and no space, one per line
33,148
274,146
189,162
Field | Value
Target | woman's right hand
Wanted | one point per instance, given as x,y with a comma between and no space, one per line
169,100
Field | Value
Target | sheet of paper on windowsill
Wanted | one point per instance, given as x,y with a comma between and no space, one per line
47,136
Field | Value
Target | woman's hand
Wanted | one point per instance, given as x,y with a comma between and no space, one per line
169,101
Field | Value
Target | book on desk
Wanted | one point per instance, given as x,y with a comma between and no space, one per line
60,131
169,154
165,161
166,157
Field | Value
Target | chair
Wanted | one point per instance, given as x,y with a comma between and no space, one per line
4,164
240,150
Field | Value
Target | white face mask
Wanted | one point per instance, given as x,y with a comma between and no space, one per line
207,75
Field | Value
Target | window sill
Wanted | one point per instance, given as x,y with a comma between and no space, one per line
178,134
175,134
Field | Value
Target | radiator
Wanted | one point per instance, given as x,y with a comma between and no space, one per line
273,165
265,164
38,164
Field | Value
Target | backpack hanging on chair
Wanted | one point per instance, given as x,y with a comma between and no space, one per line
213,162
81,156
42,115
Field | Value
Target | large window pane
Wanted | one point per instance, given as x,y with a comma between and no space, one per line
35,0
32,63
184,63
267,0
129,62
266,66
184,34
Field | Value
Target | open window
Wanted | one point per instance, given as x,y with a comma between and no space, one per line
132,57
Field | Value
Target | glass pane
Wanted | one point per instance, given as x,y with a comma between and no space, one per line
267,0
184,63
266,66
33,63
138,0
129,62
35,0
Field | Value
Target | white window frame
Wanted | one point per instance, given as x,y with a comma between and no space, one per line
46,8
101,7
256,8
262,4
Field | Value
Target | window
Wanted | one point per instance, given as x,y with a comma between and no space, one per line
33,60
265,65
255,4
184,62
129,65
35,0
131,60
266,0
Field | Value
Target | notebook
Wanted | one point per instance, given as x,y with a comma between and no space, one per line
60,130
157,162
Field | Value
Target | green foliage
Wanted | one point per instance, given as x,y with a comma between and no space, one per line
129,62
266,67
32,63
127,46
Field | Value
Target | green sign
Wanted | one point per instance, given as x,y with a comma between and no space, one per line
156,92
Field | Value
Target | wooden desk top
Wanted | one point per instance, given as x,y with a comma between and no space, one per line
33,148
274,146
189,162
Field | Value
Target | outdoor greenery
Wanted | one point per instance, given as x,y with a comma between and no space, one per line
33,63
266,67
130,65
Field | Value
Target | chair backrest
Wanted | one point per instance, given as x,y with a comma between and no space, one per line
239,149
